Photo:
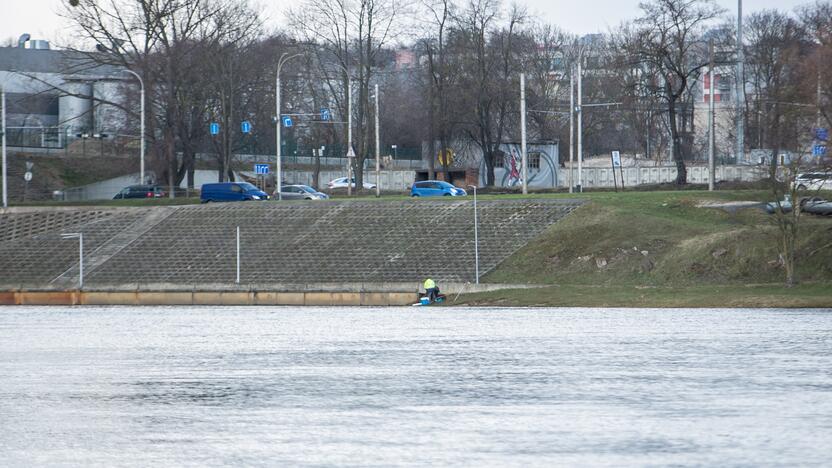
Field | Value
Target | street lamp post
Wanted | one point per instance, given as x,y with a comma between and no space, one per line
278,172
571,125
5,179
378,151
349,133
142,150
476,239
579,111
80,237
524,161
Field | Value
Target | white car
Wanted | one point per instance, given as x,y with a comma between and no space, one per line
814,181
341,182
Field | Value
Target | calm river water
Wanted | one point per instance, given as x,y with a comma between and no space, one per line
414,386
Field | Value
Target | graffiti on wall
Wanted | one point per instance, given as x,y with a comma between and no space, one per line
542,162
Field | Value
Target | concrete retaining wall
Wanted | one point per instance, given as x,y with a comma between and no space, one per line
308,298
633,176
298,295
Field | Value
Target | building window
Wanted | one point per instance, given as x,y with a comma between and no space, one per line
534,160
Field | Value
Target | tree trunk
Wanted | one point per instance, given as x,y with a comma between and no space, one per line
681,170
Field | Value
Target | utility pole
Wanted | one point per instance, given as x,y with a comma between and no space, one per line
349,135
571,123
5,171
818,116
523,160
378,152
579,110
711,171
740,87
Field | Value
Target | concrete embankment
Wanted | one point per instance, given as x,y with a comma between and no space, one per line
393,294
192,250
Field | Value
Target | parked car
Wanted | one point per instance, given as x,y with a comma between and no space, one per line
435,188
341,182
300,192
231,191
813,205
140,191
814,181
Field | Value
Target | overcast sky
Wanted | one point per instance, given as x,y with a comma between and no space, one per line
39,18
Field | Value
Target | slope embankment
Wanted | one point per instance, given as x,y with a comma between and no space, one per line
329,252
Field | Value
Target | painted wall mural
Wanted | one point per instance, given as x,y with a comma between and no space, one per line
543,166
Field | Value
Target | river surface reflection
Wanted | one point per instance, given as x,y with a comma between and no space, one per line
414,386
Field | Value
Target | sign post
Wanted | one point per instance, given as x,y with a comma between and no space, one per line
261,171
615,158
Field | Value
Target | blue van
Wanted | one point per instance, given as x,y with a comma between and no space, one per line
231,191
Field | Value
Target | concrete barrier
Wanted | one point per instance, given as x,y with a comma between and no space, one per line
321,294
300,298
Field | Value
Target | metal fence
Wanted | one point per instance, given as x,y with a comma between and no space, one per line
36,137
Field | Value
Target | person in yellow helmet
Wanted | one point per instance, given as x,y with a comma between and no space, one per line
431,290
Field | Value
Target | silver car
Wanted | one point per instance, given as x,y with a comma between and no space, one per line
300,192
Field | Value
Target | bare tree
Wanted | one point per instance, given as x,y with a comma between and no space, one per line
489,77
669,44
777,48
168,43
352,33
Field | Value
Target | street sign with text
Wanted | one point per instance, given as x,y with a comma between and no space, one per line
261,169
325,115
822,134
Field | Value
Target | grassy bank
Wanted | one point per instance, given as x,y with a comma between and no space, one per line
573,295
664,249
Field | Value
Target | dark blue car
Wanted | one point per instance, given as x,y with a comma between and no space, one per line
231,191
435,188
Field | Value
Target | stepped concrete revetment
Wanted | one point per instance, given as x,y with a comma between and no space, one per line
287,246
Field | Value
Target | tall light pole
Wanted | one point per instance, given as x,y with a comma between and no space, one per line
378,151
571,124
523,161
740,87
141,160
579,110
5,178
349,132
278,170
711,171
476,239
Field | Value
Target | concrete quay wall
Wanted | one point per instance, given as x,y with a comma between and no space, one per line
296,295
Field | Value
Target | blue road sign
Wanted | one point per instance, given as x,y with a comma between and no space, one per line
325,113
287,121
215,128
261,168
819,150
245,126
822,134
